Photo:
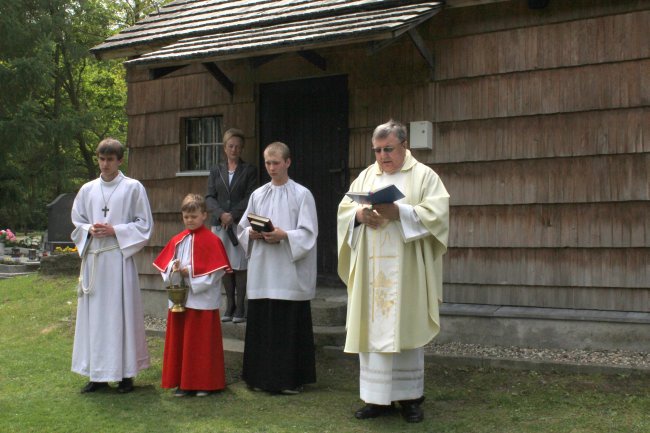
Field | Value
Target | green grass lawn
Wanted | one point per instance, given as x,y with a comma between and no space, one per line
38,393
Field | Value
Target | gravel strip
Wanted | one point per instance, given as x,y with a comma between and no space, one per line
155,323
616,358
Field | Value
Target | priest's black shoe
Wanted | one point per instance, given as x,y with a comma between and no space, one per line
411,410
93,386
126,385
373,411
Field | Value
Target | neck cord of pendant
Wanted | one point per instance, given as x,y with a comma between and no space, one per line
101,187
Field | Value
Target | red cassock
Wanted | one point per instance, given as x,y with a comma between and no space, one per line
193,357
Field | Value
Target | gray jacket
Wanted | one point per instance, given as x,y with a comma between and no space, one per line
231,198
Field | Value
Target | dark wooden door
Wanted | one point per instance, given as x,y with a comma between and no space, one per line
311,117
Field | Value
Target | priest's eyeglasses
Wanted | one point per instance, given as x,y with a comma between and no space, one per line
386,149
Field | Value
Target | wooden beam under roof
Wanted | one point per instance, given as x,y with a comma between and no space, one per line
258,61
219,75
424,51
155,73
314,58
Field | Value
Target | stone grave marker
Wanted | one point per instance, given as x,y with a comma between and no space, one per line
59,224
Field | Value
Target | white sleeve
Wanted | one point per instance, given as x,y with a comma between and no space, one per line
204,282
302,239
134,235
353,233
410,224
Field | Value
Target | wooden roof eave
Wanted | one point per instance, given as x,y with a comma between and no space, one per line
126,52
128,39
274,51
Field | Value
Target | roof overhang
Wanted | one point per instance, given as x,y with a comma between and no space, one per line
208,30
291,37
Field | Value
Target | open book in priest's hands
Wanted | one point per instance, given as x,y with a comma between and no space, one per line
385,194
260,223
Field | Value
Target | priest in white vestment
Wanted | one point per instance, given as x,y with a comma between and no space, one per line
113,221
390,258
279,347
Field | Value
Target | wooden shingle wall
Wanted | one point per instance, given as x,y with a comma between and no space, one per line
542,136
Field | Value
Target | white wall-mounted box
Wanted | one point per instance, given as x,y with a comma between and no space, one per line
421,135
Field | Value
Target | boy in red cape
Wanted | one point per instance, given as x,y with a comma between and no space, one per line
193,357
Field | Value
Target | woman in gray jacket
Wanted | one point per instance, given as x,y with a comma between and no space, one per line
229,187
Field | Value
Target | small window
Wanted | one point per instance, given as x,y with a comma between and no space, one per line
202,150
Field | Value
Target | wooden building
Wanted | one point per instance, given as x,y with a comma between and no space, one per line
540,115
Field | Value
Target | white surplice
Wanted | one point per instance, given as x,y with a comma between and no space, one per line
205,290
109,342
286,270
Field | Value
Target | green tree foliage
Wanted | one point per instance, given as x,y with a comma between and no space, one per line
57,100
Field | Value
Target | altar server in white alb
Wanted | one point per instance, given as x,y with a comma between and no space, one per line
279,347
390,257
112,221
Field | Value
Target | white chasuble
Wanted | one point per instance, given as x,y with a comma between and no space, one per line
385,247
109,342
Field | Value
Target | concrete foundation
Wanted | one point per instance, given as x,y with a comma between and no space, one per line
545,327
154,302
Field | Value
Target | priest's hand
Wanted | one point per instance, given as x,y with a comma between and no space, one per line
100,230
390,211
275,236
369,217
